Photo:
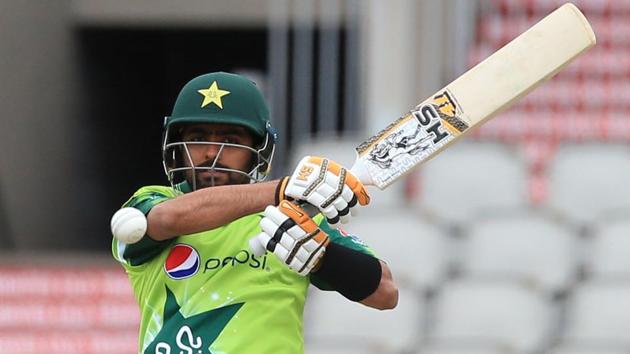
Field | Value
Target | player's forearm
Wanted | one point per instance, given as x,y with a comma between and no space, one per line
208,208
386,295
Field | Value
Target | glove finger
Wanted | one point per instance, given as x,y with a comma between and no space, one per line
334,222
296,232
268,226
310,246
341,205
316,199
300,267
333,188
330,212
258,244
302,255
326,193
265,240
275,215
292,236
348,195
303,252
345,214
287,241
296,191
281,252
352,205
344,219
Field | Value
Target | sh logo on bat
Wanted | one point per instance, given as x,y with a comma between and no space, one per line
441,112
436,121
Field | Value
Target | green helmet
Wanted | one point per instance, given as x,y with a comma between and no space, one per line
222,98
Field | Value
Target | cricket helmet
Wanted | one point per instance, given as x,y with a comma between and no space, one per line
219,98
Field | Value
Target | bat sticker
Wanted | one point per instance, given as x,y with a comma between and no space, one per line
397,144
436,122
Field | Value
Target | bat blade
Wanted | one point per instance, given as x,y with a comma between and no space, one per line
476,96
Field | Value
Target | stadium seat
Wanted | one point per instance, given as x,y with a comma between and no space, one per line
53,341
460,349
67,310
597,7
470,178
589,180
329,348
416,251
598,314
341,324
479,315
608,252
521,246
582,350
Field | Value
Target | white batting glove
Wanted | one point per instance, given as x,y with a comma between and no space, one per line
289,232
327,185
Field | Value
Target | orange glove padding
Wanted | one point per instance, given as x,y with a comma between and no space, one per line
291,234
326,185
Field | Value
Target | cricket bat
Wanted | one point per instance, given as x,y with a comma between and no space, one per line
476,96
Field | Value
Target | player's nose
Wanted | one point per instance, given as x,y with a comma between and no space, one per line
212,151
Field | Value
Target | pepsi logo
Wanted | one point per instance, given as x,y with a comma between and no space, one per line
182,262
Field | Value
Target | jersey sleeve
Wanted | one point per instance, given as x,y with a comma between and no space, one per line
343,238
147,248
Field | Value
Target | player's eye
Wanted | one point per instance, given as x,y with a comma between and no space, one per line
230,140
195,138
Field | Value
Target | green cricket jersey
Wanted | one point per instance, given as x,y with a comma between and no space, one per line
207,292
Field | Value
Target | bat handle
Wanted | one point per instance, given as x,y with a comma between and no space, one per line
310,209
359,169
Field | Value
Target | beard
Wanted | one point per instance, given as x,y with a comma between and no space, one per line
212,173
220,178
213,178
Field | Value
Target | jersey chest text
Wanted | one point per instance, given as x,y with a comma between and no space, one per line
185,260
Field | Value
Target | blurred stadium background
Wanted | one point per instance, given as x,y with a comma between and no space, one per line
517,240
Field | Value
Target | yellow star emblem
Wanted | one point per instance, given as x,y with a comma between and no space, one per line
213,94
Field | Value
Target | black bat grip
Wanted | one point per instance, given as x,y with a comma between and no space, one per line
309,208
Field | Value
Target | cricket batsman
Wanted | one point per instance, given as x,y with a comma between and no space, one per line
200,287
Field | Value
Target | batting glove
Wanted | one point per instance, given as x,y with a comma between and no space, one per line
291,234
327,185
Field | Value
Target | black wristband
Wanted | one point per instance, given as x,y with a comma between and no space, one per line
353,274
